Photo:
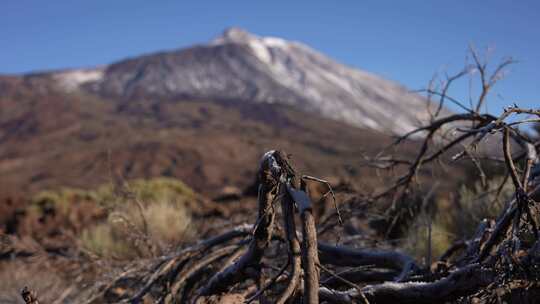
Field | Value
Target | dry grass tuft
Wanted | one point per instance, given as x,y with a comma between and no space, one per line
139,218
151,220
123,234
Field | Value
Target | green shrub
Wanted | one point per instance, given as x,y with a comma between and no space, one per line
456,221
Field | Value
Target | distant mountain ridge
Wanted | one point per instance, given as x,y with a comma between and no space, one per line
203,114
241,66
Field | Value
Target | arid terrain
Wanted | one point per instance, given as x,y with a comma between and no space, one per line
257,170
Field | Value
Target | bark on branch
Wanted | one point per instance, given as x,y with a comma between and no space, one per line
269,173
460,283
344,256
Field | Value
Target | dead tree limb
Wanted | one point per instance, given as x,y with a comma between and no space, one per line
172,264
459,283
177,290
310,256
503,223
194,268
271,282
344,256
294,251
29,296
269,174
362,275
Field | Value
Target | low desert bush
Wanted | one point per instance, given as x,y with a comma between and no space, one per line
477,203
130,232
109,195
456,219
416,241
139,218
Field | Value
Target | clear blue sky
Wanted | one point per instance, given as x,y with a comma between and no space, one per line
406,41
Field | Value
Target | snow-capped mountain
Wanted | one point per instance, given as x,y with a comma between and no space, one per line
244,67
166,114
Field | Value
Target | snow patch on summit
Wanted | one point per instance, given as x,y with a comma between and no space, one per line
261,47
239,65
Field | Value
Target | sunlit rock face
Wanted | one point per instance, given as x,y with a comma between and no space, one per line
241,66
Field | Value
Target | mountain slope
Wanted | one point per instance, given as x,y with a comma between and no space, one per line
203,114
51,139
243,67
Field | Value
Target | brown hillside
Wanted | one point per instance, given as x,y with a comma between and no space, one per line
51,139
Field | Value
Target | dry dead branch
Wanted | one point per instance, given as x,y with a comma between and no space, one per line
29,296
238,262
242,262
